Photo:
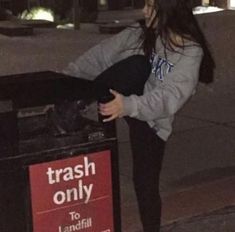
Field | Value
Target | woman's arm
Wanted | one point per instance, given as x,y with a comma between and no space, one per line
177,87
100,57
164,100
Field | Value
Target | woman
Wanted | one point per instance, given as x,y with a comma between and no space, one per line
151,69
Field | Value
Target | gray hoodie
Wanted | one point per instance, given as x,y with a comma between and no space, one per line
170,84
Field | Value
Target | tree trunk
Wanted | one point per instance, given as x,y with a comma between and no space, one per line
77,15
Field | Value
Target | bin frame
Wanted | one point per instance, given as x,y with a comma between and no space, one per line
16,162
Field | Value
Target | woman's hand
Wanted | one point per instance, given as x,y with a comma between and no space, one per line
114,108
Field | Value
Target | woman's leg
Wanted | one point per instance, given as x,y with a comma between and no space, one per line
147,151
128,77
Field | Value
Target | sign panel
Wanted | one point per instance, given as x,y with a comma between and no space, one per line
73,194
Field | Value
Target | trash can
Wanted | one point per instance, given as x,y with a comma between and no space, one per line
51,183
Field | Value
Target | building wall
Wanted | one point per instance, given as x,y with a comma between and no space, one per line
15,6
120,4
18,6
221,3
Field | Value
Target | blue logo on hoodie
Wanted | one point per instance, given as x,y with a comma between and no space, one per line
160,66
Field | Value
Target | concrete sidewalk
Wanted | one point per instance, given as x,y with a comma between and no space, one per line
198,175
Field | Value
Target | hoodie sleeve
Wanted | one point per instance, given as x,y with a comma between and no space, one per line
100,57
166,98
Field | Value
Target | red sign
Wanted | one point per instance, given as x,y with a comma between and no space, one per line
73,194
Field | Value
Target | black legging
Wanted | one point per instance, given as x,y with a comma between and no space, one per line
128,77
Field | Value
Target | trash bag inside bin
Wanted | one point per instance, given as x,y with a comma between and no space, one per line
67,122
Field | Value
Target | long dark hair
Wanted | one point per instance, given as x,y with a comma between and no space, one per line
176,17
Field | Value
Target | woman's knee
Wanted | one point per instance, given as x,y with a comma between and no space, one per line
127,76
139,64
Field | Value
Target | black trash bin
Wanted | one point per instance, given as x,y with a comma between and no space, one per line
48,182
